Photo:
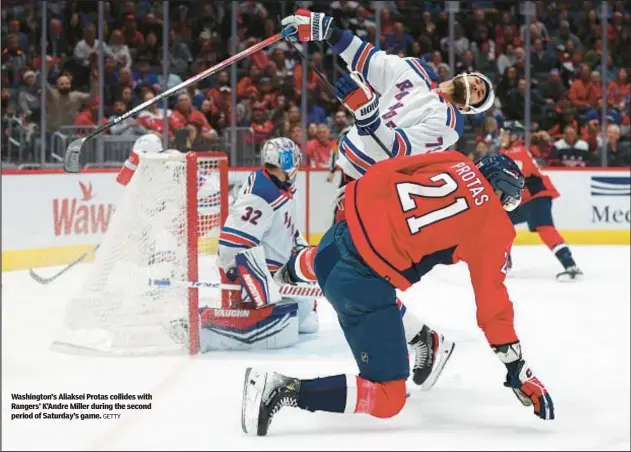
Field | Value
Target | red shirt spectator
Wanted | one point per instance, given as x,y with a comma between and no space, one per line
213,94
261,127
223,102
247,81
596,94
319,149
619,90
89,117
581,89
185,114
133,37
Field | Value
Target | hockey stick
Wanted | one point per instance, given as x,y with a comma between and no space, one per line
42,280
303,290
71,158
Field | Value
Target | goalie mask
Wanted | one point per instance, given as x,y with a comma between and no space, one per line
148,143
282,153
487,100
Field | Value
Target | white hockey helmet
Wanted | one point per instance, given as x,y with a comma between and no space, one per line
148,143
282,153
486,102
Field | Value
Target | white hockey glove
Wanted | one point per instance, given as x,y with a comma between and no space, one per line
520,378
359,98
256,281
306,26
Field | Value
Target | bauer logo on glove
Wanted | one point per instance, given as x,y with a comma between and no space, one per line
306,26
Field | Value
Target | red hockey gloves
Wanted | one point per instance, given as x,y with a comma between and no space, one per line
360,99
306,26
520,378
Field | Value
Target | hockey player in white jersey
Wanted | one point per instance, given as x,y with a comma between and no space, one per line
260,234
399,109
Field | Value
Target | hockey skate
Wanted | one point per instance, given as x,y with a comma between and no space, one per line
570,274
431,353
264,394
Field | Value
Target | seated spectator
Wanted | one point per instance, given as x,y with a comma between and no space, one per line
319,149
590,132
152,50
133,37
13,59
14,29
483,47
88,45
340,125
553,90
129,126
260,126
466,63
581,91
570,150
180,57
28,99
507,84
249,80
219,122
143,74
398,40
564,35
619,90
223,79
119,50
224,102
152,118
541,146
312,130
540,58
89,117
184,114
618,153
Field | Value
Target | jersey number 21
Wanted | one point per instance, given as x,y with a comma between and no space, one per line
407,191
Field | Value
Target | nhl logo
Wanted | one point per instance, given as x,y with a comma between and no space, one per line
364,357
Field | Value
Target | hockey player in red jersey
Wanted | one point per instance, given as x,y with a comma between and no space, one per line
403,217
536,207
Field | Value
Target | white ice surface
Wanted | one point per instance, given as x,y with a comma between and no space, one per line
576,336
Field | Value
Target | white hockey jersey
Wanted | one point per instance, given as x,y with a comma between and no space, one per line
415,117
262,215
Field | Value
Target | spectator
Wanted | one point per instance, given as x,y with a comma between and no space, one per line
58,45
553,90
461,43
619,90
359,25
618,154
567,117
219,122
506,59
28,98
596,93
249,80
444,72
540,58
466,64
398,40
581,91
180,56
261,127
340,124
610,69
129,126
184,114
88,118
570,150
13,58
133,37
314,112
296,135
152,118
223,102
143,73
312,130
506,86
282,65
62,103
564,35
483,46
590,132
87,46
119,50
319,149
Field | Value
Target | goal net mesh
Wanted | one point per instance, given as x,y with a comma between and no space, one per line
166,226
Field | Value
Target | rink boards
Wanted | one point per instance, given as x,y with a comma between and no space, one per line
50,217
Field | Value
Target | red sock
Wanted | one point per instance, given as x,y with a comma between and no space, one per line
550,236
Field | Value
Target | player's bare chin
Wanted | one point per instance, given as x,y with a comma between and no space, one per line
382,400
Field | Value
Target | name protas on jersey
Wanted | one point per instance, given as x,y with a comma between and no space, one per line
472,181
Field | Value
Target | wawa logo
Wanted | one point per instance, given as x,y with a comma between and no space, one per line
81,216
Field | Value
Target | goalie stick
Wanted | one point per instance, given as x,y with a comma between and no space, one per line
300,290
73,152
44,281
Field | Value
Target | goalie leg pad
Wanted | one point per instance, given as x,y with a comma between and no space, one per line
256,278
271,327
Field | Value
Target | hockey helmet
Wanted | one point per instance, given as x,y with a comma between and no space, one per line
486,102
282,153
148,143
504,176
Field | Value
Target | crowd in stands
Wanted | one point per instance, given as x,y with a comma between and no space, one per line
566,88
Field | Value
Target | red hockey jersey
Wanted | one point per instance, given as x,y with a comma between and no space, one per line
408,214
538,185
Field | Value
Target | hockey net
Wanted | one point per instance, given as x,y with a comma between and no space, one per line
166,225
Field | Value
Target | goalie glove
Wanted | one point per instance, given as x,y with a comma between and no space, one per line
306,26
520,378
299,267
359,98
